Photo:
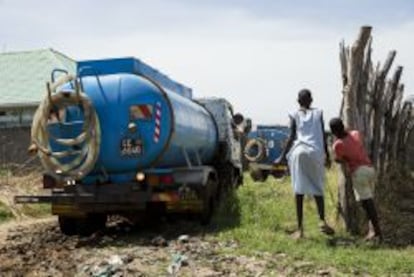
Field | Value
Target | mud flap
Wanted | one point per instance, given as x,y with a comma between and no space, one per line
207,195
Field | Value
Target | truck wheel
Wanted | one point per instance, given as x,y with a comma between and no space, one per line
90,224
258,175
207,212
67,225
238,178
232,178
279,174
100,221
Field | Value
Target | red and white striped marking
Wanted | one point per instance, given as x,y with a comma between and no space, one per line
141,111
157,129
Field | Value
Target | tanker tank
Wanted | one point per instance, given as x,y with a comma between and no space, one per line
144,121
152,126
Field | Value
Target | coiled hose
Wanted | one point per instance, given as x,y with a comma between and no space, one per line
84,147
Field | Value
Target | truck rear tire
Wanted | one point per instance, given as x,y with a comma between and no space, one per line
229,177
83,226
68,225
259,175
279,174
207,212
90,224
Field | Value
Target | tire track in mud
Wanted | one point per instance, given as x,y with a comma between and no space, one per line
37,248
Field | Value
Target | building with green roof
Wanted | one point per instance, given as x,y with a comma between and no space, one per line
23,77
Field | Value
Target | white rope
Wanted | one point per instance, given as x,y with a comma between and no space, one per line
88,140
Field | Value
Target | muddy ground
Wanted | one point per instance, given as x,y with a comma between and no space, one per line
37,248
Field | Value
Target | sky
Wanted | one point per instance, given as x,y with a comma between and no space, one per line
256,54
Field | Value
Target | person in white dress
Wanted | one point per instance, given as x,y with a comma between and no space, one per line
306,153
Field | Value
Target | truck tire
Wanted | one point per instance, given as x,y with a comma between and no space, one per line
278,174
207,212
255,150
225,176
68,225
88,225
259,175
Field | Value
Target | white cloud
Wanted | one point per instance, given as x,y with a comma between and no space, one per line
258,63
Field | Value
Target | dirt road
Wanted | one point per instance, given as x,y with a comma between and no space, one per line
37,248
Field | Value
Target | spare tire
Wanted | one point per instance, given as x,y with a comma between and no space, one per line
255,150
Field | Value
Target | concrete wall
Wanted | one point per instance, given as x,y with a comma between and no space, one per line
15,125
16,117
13,145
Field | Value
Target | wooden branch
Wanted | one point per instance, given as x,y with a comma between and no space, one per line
391,123
397,117
363,93
388,63
398,100
351,119
363,37
407,125
378,107
343,61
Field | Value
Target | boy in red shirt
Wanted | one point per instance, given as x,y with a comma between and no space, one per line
348,148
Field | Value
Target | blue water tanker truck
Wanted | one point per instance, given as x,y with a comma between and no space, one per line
264,145
122,138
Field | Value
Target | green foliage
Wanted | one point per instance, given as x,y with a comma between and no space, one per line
4,171
37,210
266,215
5,213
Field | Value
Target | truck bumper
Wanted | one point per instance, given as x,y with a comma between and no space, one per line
78,200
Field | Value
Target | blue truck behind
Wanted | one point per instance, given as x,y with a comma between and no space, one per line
264,145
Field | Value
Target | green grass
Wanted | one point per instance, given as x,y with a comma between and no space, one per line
36,210
266,211
5,213
3,171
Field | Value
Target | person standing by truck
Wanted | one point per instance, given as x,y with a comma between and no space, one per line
306,152
349,149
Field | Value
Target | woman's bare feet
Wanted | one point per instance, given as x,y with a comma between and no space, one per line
297,235
372,236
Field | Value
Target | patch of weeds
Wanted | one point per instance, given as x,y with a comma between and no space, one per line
266,211
5,213
4,172
36,210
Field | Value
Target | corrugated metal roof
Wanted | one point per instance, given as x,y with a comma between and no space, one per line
23,75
